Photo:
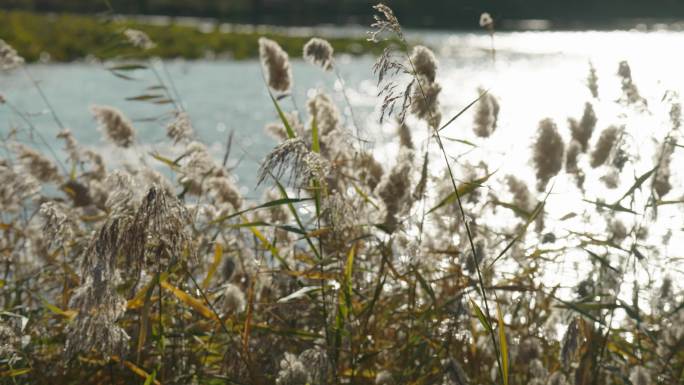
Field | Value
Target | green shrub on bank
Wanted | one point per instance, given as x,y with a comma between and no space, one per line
68,37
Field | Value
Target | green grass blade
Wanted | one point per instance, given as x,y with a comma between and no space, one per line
286,123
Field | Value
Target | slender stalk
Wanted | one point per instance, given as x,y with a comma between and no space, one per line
42,96
461,210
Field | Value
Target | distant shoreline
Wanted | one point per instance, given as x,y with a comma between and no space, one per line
77,37
71,37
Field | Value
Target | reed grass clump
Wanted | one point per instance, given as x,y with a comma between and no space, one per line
349,269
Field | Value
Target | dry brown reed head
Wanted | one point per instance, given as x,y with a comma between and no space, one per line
16,187
116,126
486,115
292,371
319,52
522,197
59,224
99,305
9,59
638,375
232,299
368,170
547,153
294,158
404,133
223,191
71,145
10,340
424,101
487,22
661,180
395,188
322,108
582,131
676,115
38,164
385,22
391,63
158,236
180,128
455,372
139,39
592,81
630,93
571,158
277,129
424,62
276,64
557,378
384,377
604,146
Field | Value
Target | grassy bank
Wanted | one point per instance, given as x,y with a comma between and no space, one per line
68,37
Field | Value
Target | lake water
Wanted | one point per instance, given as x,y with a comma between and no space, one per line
535,75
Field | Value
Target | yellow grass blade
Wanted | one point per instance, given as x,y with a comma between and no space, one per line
191,301
504,345
218,257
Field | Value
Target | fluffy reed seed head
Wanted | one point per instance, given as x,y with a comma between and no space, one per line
486,115
548,153
59,225
384,377
583,130
99,307
604,146
139,39
592,81
319,52
404,133
424,62
224,191
369,170
639,376
71,145
574,149
10,341
9,58
277,129
424,101
15,188
293,157
675,115
661,181
327,115
276,64
159,234
385,22
395,188
180,128
116,126
522,197
38,164
318,364
292,371
486,21
232,299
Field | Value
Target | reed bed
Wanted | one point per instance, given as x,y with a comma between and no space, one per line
426,270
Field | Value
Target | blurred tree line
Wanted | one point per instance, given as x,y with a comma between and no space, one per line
448,14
